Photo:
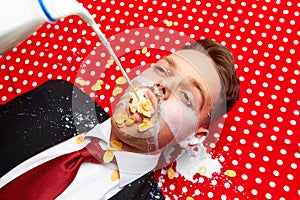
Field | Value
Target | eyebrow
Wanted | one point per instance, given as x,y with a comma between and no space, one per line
170,62
194,82
200,88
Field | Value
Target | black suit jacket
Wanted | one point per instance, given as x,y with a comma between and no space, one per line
48,115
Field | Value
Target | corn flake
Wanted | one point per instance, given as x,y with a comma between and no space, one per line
81,82
130,120
99,82
96,87
115,175
117,91
146,108
120,118
144,50
145,125
169,23
230,173
171,173
121,80
116,145
120,123
132,108
108,156
189,198
202,170
110,61
79,139
146,105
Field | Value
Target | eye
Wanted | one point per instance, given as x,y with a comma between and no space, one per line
185,98
161,70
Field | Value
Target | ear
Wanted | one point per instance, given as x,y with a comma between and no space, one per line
202,131
199,135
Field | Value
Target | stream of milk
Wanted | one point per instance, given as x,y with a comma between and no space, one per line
87,17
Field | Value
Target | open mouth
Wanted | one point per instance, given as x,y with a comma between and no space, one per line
143,105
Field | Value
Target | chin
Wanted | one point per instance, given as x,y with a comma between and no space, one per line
151,144
133,142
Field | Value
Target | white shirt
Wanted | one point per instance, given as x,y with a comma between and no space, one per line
93,181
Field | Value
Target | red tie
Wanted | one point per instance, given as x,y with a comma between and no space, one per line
50,179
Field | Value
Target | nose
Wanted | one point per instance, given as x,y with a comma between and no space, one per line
163,91
167,86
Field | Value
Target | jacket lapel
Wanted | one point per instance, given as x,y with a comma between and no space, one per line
42,118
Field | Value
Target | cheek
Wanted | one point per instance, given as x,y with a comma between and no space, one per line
165,138
172,114
181,120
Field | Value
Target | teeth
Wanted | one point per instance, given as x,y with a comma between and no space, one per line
156,91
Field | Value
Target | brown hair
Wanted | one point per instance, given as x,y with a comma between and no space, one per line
224,62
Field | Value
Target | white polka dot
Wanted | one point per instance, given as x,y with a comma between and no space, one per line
235,162
262,169
279,162
252,155
244,177
276,173
223,197
226,185
268,196
266,158
272,184
286,188
172,187
258,180
294,166
283,151
254,192
290,177
256,145
240,188
197,192
248,166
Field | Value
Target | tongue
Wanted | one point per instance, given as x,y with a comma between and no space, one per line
137,116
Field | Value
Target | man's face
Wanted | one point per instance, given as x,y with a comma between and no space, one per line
177,100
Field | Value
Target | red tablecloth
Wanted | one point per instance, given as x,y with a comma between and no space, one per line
259,140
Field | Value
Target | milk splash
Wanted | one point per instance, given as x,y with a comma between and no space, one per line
199,161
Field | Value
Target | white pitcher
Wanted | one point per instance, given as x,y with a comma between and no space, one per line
20,18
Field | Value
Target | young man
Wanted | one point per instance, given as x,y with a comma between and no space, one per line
174,102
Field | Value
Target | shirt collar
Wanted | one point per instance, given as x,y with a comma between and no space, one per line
131,165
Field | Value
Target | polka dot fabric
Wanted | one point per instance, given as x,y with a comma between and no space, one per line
259,142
